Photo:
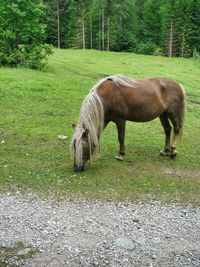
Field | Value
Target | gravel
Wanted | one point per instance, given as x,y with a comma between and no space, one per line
93,233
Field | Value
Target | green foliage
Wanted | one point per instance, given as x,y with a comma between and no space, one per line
124,42
22,33
140,26
148,48
30,56
151,23
51,20
194,16
177,27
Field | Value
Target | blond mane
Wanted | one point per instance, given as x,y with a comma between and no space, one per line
122,80
92,119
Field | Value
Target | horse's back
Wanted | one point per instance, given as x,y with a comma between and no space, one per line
143,101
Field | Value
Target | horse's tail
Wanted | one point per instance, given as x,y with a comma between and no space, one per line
181,113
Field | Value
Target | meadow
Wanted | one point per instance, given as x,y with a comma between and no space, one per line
37,106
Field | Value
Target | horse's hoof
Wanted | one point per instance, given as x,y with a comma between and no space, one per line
119,158
164,153
173,153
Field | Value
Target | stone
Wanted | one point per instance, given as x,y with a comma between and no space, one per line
125,243
77,250
24,251
62,137
141,241
87,264
156,241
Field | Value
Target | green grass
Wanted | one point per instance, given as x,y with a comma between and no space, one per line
12,253
35,107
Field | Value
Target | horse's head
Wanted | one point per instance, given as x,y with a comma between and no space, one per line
81,147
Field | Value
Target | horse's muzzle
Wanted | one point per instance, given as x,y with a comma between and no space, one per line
79,169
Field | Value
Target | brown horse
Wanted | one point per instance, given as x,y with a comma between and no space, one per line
118,98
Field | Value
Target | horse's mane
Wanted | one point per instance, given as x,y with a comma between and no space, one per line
122,80
92,119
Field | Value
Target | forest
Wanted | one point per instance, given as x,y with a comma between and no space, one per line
29,28
165,27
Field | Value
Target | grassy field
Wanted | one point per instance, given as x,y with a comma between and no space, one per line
36,106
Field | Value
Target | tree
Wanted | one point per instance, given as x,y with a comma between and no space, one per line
22,33
194,36
151,23
178,27
57,19
169,27
76,28
183,14
139,15
124,26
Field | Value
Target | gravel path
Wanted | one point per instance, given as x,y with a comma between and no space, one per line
92,233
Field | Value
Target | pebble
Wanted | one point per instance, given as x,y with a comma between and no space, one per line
86,264
125,243
62,137
24,251
156,241
141,241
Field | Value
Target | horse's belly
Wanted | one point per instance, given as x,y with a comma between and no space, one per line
141,119
144,115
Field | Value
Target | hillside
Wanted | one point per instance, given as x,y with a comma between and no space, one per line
36,107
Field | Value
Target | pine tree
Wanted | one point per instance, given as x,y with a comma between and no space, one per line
57,17
78,23
139,15
194,36
183,16
151,23
124,25
169,28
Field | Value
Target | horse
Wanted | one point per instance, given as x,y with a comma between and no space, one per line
118,98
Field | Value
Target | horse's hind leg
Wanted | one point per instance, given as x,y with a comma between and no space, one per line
121,134
167,129
177,127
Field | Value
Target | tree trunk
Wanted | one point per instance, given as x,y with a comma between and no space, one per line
108,35
120,16
83,26
171,39
103,27
90,32
183,43
58,23
100,29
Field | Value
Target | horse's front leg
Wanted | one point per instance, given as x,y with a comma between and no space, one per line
121,134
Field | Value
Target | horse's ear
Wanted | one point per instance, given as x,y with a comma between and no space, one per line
74,126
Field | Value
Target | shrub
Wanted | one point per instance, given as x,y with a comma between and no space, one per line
22,33
124,42
147,48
